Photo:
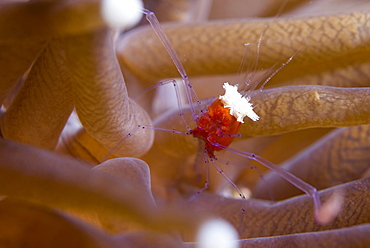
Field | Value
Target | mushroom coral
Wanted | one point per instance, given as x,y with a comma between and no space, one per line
59,56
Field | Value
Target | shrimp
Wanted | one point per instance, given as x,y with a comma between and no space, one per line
219,124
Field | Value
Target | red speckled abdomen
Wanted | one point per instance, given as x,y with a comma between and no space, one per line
216,125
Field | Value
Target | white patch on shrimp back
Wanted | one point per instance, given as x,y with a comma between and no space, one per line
240,106
121,14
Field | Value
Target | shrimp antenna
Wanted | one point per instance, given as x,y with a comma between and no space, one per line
153,21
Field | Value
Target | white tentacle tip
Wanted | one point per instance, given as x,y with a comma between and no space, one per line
331,208
121,14
217,233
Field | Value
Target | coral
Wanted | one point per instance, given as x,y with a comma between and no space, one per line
314,120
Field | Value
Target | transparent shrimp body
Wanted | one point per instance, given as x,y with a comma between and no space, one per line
220,123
